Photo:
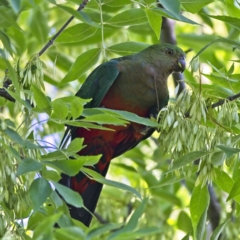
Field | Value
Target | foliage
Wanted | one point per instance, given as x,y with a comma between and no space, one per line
147,195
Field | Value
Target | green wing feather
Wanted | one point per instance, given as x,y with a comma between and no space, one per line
98,83
95,87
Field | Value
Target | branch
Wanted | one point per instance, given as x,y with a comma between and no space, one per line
221,102
81,6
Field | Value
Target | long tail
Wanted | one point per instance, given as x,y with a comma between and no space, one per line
90,192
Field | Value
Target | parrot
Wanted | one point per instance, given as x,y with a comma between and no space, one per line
136,83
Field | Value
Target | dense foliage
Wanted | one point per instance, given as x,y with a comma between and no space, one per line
159,190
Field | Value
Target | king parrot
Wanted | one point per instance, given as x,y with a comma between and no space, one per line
135,83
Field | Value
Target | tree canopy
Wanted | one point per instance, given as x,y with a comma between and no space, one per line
182,183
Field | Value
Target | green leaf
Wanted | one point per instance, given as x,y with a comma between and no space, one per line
178,17
71,197
132,223
186,159
198,204
193,6
235,22
223,180
128,116
43,103
14,136
105,119
44,229
102,229
171,5
222,40
70,167
75,145
235,191
38,25
184,222
60,109
216,233
39,191
155,21
129,17
28,165
85,61
76,107
76,33
127,48
228,150
99,178
171,178
16,5
69,233
218,158
114,3
201,227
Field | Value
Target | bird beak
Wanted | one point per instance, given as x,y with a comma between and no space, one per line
181,63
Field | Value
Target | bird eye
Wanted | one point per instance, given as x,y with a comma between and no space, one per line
169,52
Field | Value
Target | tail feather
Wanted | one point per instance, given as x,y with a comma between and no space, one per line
90,191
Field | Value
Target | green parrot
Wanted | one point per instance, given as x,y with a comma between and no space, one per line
136,83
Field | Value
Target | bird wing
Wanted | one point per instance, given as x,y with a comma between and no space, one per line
95,87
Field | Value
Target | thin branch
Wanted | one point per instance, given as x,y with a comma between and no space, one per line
50,42
221,102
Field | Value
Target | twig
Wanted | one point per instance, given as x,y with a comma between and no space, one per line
221,102
50,42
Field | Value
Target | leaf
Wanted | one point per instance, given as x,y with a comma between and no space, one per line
155,21
171,5
15,4
28,165
70,167
84,61
38,25
71,197
186,159
198,204
132,223
114,3
193,6
235,22
99,178
105,119
60,109
14,136
223,180
43,103
171,178
102,229
45,228
69,233
223,40
178,17
228,151
39,191
235,191
134,16
76,107
216,233
184,222
127,48
75,145
76,33
129,117
201,227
